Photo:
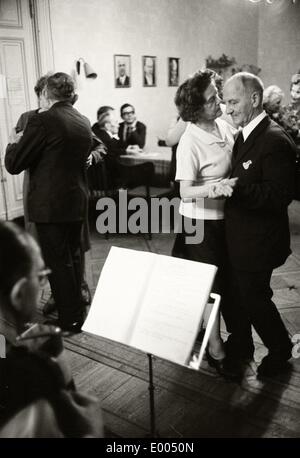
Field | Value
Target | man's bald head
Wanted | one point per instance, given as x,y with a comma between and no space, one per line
248,82
243,95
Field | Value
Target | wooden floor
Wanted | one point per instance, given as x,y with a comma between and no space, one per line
189,404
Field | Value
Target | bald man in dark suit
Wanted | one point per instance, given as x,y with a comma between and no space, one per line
257,228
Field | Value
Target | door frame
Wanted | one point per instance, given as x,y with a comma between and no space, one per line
39,11
42,32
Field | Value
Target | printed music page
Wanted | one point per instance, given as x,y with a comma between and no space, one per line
173,306
116,303
152,302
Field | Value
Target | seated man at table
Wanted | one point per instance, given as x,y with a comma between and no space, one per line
101,111
120,175
131,131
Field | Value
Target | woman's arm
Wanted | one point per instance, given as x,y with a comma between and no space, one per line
213,191
188,190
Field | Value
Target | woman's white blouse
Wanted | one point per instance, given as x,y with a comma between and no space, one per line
205,159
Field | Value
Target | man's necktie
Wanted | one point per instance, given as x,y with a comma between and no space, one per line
238,144
128,132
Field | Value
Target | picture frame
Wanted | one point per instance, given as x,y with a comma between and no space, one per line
122,70
173,71
149,71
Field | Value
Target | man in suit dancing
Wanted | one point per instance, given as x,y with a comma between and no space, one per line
55,147
257,228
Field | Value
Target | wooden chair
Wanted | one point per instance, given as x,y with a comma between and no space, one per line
98,183
97,180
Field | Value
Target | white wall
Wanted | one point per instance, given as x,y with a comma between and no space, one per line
279,43
189,29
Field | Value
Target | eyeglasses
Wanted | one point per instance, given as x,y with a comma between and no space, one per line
42,276
128,112
212,101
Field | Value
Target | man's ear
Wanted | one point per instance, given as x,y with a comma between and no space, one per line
255,97
18,293
44,93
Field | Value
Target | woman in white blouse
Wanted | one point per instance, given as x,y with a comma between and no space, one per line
203,167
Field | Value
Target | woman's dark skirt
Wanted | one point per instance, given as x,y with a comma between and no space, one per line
212,249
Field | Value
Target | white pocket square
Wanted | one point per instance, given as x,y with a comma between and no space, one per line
247,164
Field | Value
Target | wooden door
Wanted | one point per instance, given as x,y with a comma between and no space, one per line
18,74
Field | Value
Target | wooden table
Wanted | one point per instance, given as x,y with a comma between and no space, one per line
161,160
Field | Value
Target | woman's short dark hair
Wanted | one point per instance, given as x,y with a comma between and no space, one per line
61,86
189,97
40,84
103,110
16,258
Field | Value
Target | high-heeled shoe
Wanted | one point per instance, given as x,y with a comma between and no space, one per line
217,364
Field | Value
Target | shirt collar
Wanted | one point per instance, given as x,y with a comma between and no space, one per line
252,124
113,135
149,79
130,126
207,137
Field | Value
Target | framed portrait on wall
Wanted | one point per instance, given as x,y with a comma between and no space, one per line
149,71
173,71
122,70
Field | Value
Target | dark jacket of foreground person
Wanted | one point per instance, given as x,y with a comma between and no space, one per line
54,147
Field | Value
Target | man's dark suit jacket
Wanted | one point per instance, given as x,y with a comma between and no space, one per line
114,147
24,118
54,147
256,218
126,82
112,160
137,137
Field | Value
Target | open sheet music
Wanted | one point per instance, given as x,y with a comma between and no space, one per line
152,302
